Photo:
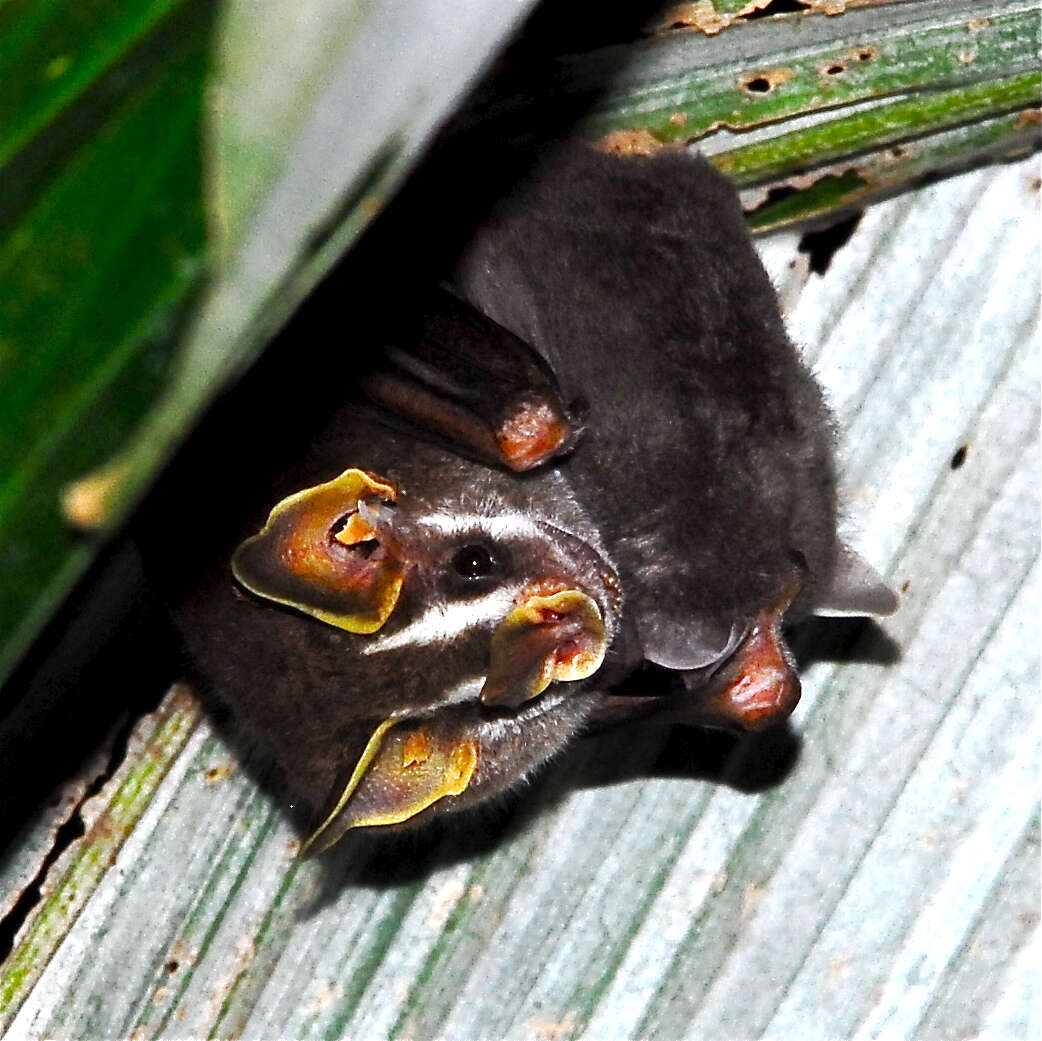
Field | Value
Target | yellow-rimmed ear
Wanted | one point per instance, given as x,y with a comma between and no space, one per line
544,639
327,552
400,773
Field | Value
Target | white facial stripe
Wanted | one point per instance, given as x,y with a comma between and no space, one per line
442,622
500,525
465,690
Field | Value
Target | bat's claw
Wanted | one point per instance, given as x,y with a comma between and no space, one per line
759,685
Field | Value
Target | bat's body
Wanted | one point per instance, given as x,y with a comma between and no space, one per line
706,462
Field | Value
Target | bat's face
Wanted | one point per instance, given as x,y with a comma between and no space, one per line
448,613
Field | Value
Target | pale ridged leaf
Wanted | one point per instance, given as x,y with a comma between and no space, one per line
886,885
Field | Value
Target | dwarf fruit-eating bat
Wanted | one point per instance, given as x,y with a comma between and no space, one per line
416,631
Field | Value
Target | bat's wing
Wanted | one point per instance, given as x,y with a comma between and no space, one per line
459,375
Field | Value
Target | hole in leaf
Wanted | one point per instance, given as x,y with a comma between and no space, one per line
822,245
759,85
776,7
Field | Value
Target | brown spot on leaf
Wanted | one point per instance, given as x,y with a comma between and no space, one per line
765,80
829,7
326,995
751,898
701,15
629,142
219,772
977,25
838,969
930,839
446,899
551,1030
87,504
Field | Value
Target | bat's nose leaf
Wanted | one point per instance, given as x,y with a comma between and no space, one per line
406,767
543,639
327,551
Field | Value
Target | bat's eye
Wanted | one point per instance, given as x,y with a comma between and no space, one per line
475,561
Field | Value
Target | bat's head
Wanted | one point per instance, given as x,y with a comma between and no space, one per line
448,614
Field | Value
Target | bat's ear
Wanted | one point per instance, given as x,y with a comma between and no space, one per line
856,588
542,640
465,379
406,766
685,642
330,552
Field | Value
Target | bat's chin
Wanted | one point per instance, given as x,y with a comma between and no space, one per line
420,766
515,744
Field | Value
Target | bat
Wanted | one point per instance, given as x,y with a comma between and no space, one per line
415,630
